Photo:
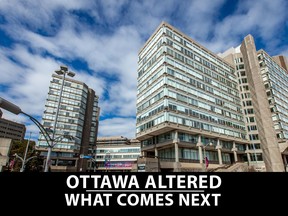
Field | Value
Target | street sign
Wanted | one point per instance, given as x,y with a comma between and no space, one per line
86,156
141,168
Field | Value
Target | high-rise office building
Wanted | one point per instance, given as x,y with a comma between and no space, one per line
263,88
78,117
189,112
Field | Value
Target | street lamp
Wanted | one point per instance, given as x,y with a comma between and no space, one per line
63,71
205,159
24,160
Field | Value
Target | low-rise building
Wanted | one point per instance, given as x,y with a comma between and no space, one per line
12,130
115,154
5,146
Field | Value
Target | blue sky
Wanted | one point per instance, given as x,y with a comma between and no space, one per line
100,40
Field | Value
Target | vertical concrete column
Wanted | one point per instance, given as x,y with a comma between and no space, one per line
219,147
235,156
199,144
269,143
234,149
75,163
176,146
176,136
285,162
141,147
176,152
176,164
285,159
249,158
248,155
156,152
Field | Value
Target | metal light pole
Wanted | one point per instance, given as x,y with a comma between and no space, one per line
24,161
63,71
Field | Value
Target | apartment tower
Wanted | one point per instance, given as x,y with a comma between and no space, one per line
78,117
263,88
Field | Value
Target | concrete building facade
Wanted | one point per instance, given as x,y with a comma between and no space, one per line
188,106
5,147
281,61
263,87
253,150
78,117
117,154
12,130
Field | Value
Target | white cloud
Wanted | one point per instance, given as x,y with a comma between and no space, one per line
111,9
115,54
97,84
30,82
145,16
51,32
199,17
118,58
262,19
122,100
9,69
44,15
118,127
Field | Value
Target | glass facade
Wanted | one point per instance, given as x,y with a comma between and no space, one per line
178,76
182,84
275,80
116,153
71,118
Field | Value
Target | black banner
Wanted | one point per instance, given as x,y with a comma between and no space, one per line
78,192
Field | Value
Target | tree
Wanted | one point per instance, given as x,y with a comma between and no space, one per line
34,165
